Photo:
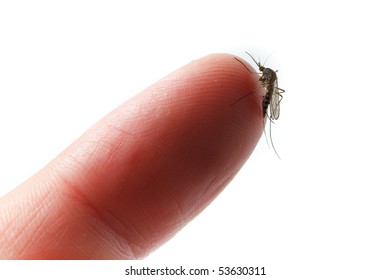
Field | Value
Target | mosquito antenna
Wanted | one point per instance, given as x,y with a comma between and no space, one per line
267,59
257,63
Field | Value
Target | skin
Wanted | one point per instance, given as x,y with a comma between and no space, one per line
142,172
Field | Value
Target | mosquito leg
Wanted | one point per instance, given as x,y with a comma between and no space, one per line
272,142
281,96
242,97
246,66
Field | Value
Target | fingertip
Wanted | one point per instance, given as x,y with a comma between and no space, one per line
146,169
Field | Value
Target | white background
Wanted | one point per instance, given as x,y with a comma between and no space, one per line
321,212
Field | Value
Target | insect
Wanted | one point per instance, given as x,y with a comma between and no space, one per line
273,94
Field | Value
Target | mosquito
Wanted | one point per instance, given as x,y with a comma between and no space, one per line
273,94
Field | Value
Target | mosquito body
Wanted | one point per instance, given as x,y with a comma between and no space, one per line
273,94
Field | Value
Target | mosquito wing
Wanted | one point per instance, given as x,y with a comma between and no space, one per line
275,101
